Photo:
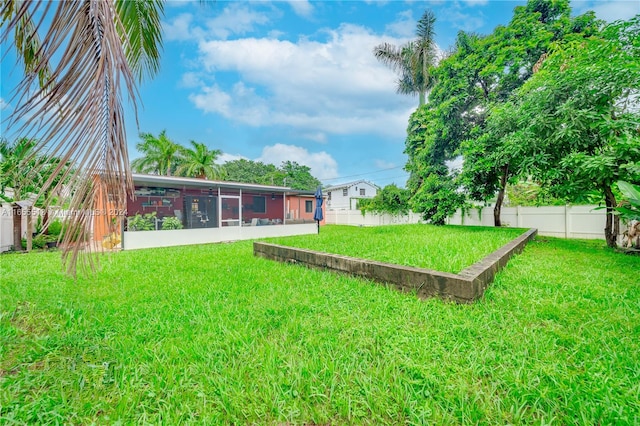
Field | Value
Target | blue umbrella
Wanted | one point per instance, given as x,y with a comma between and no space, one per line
317,215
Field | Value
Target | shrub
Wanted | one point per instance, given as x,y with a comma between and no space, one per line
38,242
142,223
171,222
55,228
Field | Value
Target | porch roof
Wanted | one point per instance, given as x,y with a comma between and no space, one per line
180,182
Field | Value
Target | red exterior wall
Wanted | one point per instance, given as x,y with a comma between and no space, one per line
296,207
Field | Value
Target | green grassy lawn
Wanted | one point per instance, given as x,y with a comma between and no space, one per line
210,334
443,248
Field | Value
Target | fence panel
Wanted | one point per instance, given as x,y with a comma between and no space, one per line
555,221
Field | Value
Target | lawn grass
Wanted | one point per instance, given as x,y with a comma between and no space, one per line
213,335
441,248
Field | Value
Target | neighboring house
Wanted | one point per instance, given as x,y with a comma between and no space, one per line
346,195
209,211
300,208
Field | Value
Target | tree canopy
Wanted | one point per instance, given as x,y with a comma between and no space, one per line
289,173
477,81
577,122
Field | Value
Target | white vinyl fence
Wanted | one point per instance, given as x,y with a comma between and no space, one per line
355,218
555,221
6,227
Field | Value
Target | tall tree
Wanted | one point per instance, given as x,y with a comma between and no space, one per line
579,128
77,58
298,176
200,162
480,76
248,171
414,60
160,155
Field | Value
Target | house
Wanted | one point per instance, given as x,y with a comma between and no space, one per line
346,195
301,207
209,211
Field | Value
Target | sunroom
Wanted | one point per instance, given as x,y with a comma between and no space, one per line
181,211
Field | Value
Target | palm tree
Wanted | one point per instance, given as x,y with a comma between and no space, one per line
160,155
414,59
78,57
199,162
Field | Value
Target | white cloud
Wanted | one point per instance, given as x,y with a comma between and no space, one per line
3,104
319,137
608,10
461,20
235,19
384,164
180,28
225,157
476,2
403,26
322,165
302,8
334,87
191,80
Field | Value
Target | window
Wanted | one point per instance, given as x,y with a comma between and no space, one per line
361,191
259,204
345,192
308,206
329,196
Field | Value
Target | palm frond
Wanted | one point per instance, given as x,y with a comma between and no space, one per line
141,22
389,55
77,113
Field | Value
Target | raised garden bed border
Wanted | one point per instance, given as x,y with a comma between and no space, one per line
464,287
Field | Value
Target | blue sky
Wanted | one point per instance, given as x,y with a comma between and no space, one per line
297,80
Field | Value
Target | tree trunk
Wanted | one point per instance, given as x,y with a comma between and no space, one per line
421,99
498,207
612,226
17,227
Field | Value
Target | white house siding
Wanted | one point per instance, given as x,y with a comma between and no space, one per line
337,200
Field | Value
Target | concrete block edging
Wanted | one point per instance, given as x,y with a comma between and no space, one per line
464,287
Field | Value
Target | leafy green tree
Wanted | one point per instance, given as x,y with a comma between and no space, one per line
290,174
160,155
78,57
248,171
579,118
414,60
473,83
389,199
200,162
298,176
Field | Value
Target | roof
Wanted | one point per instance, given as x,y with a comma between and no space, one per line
350,184
179,182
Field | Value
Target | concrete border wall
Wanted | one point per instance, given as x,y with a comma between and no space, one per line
133,240
465,287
